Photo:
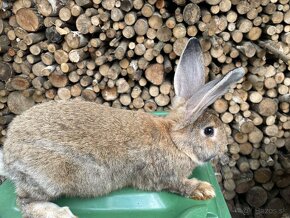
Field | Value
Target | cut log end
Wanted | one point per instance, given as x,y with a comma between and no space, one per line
28,19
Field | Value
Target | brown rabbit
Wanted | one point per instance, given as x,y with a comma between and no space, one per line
78,148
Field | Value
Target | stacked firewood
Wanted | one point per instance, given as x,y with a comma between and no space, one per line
122,53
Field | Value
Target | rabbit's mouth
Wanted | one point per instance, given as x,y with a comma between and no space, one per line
209,158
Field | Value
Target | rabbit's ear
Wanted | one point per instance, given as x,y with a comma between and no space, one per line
207,94
189,74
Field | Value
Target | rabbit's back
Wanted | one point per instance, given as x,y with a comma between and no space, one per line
83,124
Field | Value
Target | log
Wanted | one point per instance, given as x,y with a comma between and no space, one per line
127,5
5,71
246,148
256,197
29,19
255,97
141,27
47,58
243,164
75,40
179,45
40,69
83,23
229,185
86,81
67,67
122,86
165,87
64,93
150,106
234,148
84,3
128,32
267,107
138,103
34,49
227,117
220,106
248,49
275,51
155,74
45,8
38,83
20,83
225,5
136,92
58,79
164,34
4,44
109,94
125,99
121,50
114,71
243,186
241,137
77,55
162,100
33,38
61,56
155,21
285,193
89,95
191,13
262,175
17,103
76,90
147,10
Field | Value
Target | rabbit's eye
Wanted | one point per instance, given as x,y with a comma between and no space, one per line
209,131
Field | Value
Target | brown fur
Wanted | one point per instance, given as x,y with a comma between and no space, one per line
78,148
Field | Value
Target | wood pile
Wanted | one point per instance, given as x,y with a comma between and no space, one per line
122,53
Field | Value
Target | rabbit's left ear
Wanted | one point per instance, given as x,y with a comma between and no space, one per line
189,74
207,94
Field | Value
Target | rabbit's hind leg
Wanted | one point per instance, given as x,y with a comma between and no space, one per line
44,209
34,202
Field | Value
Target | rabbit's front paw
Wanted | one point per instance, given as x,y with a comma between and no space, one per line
203,191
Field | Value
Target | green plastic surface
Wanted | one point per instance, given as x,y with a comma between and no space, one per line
130,203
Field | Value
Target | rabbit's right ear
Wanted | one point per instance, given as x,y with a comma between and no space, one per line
189,75
206,95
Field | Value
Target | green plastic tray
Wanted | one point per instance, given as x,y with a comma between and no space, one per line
130,203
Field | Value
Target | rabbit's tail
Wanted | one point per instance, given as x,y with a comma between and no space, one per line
2,170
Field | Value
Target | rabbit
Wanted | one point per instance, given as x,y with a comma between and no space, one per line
83,149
